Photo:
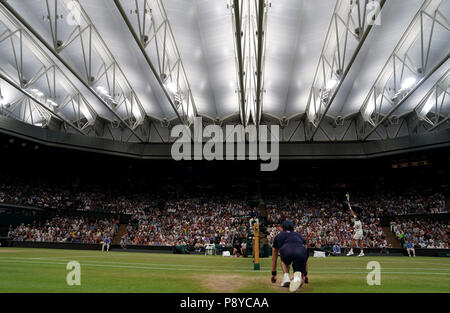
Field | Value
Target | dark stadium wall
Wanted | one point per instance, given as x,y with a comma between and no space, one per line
162,151
29,158
13,215
170,249
85,246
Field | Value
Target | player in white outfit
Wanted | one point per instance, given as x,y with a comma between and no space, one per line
358,232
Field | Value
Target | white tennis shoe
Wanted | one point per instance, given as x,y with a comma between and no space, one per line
286,280
296,282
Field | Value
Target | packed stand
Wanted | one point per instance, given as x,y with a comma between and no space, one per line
190,222
66,229
423,233
167,212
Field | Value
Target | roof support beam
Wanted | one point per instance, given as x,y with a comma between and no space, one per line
406,97
445,120
261,33
240,60
401,76
41,105
56,53
332,68
170,73
250,23
433,102
44,80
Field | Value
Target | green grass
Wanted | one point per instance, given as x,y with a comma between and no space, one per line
44,270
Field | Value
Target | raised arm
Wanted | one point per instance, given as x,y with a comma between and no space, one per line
351,211
349,206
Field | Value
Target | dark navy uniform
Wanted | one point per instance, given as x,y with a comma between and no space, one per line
293,250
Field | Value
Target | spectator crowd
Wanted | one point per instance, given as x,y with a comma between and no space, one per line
172,214
66,229
192,222
423,233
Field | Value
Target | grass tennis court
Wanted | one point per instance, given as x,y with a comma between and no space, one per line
44,270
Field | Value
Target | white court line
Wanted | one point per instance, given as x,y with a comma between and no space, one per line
136,263
51,257
212,270
136,267
430,263
416,262
206,265
214,266
64,257
400,259
390,262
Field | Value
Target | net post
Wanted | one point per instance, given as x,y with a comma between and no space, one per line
256,265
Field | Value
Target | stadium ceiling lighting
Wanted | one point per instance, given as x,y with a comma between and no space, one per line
171,87
331,84
102,90
168,84
409,82
52,102
37,92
